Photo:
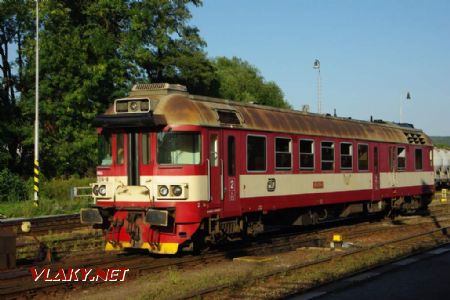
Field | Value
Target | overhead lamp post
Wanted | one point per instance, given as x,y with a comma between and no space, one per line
316,66
36,116
408,97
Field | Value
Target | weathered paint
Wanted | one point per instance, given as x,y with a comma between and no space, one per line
179,108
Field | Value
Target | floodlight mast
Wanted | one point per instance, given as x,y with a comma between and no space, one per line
316,66
408,97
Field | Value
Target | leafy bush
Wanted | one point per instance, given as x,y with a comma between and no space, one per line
12,187
58,189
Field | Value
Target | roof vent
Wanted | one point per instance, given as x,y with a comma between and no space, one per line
414,138
158,86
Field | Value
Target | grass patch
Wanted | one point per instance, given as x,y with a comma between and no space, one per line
54,199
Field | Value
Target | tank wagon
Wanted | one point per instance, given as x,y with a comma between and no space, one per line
176,170
441,159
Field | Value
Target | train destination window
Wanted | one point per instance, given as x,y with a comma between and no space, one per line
145,142
231,156
104,149
401,158
327,156
346,156
418,157
306,155
178,148
256,153
363,157
283,154
119,149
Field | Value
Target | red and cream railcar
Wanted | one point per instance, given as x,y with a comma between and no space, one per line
176,170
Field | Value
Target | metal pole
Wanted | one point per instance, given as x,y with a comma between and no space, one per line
401,108
319,103
36,118
317,67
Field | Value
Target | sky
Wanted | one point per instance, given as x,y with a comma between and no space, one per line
371,53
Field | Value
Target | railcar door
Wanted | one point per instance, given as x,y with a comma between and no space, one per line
376,175
231,203
215,163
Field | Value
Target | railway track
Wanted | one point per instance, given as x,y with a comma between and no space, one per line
44,224
140,264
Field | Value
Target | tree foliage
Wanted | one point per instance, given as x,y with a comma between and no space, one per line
240,81
14,25
90,53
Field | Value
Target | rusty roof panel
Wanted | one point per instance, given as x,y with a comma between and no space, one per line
184,109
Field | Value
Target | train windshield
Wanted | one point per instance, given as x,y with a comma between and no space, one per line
178,148
104,149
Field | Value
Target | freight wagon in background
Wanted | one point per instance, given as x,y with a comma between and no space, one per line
177,171
441,161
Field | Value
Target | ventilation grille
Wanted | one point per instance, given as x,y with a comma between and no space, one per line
228,117
158,86
414,138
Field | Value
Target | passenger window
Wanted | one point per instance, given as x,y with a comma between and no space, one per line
231,156
256,153
306,155
283,154
327,156
418,158
145,142
119,149
401,158
363,157
346,156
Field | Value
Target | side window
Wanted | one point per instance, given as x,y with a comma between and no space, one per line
145,147
419,159
346,156
327,158
401,158
104,149
119,149
256,153
283,154
306,155
391,159
363,157
231,156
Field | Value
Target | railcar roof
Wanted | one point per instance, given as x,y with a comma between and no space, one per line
177,107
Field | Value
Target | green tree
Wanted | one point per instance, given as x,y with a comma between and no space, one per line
81,71
92,52
15,17
240,81
166,48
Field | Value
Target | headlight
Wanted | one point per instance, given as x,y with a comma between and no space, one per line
163,190
102,190
177,190
95,190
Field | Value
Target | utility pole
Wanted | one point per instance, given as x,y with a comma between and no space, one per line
36,117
